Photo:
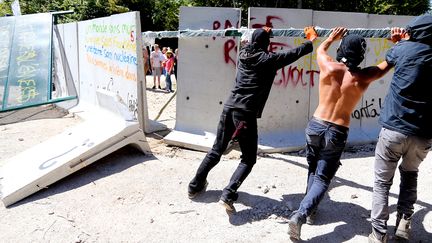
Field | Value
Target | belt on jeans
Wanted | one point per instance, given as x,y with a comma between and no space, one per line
327,123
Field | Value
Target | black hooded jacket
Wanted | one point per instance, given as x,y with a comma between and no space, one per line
408,104
256,70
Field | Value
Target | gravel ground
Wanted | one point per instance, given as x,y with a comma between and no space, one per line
131,197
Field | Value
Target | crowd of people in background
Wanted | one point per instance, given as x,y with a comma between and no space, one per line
159,62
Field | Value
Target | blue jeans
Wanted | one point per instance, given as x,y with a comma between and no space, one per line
391,147
325,142
168,82
243,126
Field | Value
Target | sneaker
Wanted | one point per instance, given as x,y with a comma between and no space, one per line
377,237
311,218
193,195
296,220
154,87
228,205
403,226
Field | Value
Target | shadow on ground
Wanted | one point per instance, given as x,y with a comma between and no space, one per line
32,113
351,218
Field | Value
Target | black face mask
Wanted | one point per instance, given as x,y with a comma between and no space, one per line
261,39
351,51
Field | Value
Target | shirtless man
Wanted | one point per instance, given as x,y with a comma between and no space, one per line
341,85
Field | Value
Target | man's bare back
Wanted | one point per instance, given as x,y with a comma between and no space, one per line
340,88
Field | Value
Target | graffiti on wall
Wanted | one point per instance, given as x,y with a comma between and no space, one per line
230,45
379,47
268,21
296,77
370,109
302,73
112,48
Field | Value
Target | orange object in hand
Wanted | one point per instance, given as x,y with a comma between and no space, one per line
310,33
267,29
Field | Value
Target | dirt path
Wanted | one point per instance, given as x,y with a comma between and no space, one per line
130,197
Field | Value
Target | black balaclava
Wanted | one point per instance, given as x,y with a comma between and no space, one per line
261,39
420,29
351,51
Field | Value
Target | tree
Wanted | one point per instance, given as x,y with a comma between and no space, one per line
5,8
398,7
163,14
166,13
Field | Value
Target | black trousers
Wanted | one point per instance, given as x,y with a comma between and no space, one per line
243,125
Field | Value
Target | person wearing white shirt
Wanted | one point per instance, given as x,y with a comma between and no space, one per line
156,59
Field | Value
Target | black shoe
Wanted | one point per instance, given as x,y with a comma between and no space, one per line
228,205
193,195
159,87
294,225
154,87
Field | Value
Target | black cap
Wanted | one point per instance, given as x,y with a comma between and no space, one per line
351,51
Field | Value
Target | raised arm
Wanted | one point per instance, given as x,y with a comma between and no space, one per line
323,57
290,56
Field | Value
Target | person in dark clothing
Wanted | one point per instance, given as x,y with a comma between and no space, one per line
256,71
406,133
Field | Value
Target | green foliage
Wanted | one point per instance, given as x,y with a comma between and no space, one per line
5,8
398,7
166,13
163,14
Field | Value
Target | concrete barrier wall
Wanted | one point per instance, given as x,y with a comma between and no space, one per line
206,74
108,58
111,83
293,98
69,35
103,55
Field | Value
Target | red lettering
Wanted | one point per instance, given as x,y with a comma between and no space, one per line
268,22
216,26
299,75
228,24
132,36
228,47
282,80
295,76
312,76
